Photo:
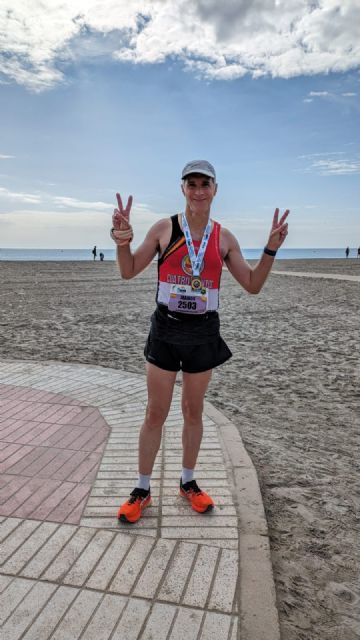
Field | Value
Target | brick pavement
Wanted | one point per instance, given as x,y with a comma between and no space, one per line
69,569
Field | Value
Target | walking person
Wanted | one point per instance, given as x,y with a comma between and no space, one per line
185,327
94,252
347,251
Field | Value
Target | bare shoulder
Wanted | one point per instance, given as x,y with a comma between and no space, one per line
160,233
228,242
161,226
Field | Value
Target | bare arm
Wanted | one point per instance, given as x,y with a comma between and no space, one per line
253,278
235,261
130,264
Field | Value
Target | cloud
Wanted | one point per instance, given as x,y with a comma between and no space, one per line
30,198
332,164
74,203
70,209
279,38
336,167
39,228
327,94
5,157
319,94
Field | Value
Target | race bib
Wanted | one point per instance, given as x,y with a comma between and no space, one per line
185,300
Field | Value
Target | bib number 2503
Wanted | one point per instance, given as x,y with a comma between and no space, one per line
185,300
189,305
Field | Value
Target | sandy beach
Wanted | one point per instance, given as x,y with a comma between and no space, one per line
292,389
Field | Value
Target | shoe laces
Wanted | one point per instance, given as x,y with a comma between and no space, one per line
192,486
137,494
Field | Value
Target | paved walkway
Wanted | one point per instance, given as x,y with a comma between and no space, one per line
314,274
69,569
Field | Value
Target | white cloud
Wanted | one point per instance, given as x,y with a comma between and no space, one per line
52,229
5,157
66,204
327,94
74,203
332,164
319,94
30,198
281,38
316,155
336,167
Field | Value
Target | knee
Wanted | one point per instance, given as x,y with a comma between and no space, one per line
192,413
154,417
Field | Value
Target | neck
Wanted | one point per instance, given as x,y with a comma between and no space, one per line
197,220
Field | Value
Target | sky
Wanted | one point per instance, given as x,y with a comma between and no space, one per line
97,98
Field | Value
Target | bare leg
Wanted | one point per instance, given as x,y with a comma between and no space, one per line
160,384
194,388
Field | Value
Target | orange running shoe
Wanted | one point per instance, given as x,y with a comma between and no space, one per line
199,500
131,510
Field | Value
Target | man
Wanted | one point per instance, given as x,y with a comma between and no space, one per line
184,332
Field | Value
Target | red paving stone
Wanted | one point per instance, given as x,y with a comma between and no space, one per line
7,391
47,437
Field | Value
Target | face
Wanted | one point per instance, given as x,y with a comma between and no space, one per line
199,191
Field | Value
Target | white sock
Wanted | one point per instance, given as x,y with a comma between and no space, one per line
187,475
143,482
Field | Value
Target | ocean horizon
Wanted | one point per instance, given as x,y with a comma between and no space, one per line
109,254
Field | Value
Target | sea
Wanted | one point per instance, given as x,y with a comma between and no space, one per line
57,255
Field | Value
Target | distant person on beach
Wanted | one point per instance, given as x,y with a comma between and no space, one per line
358,253
347,251
101,256
94,252
185,327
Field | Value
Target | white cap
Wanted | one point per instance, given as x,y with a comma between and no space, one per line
199,166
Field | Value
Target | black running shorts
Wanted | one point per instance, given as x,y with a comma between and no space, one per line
190,343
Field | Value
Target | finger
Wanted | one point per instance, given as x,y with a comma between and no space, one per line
276,216
284,216
128,206
119,201
283,227
116,219
125,220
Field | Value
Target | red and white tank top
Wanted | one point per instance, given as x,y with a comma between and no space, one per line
174,266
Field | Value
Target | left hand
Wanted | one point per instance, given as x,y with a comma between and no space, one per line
279,230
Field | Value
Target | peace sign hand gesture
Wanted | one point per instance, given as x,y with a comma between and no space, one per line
122,231
279,230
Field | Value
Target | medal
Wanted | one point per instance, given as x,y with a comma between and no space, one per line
196,259
196,283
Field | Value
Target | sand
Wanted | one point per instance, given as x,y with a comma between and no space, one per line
292,389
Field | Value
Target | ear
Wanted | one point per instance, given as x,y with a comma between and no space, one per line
216,188
182,188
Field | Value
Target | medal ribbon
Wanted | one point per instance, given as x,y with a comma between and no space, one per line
196,260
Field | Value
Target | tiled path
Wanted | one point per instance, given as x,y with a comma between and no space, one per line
69,569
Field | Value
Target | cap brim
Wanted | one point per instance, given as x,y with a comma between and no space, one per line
203,173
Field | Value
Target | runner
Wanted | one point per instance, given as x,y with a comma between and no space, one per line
185,327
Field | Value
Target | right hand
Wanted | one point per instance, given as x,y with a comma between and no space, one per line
123,231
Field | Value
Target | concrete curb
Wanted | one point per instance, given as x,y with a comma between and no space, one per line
258,611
